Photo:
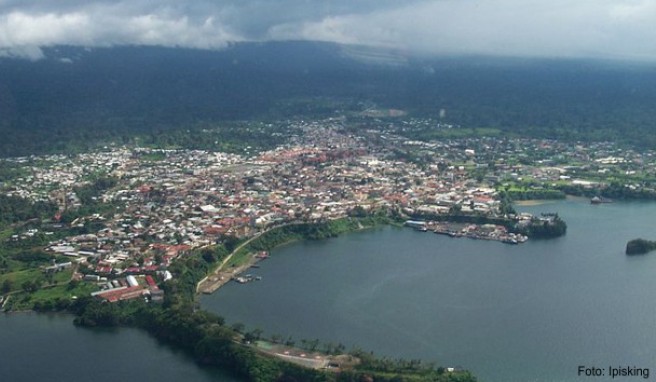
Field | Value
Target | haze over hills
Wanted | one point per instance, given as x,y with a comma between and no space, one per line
113,93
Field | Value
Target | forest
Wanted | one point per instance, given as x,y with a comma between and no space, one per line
548,226
169,97
15,209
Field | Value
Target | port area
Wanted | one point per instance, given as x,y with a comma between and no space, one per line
472,231
217,279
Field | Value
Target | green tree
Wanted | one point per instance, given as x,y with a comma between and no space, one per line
6,286
31,286
72,284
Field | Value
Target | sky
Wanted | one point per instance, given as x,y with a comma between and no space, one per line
616,29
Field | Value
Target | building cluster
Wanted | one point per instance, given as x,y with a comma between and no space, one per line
169,202
541,162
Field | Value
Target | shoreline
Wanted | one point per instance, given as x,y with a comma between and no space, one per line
220,276
214,280
533,202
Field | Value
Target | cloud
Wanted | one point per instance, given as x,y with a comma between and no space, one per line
544,28
31,53
583,28
106,25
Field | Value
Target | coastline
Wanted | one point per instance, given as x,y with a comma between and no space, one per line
221,276
533,202
539,202
208,340
214,280
265,241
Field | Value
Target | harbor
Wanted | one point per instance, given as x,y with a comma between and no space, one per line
222,276
492,232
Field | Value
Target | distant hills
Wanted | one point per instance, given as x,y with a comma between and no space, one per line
105,93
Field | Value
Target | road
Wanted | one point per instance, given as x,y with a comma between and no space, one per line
216,279
219,277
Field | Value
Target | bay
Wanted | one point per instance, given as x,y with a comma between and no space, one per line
530,312
39,347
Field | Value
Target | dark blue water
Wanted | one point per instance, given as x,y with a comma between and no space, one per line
531,312
50,348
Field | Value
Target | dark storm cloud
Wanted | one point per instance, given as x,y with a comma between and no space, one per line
574,28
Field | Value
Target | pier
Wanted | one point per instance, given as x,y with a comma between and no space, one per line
472,231
219,278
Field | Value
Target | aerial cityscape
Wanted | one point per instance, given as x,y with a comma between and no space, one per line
170,202
120,217
334,191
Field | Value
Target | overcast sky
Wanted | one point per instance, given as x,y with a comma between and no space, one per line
624,29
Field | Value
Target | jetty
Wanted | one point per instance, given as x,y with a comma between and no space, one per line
222,276
209,284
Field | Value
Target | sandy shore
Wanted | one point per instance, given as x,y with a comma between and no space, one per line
537,202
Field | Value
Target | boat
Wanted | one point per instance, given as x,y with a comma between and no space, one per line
600,200
417,225
247,278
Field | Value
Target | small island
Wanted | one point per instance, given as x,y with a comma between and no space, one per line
640,246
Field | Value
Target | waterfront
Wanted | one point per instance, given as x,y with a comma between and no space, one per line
39,347
508,313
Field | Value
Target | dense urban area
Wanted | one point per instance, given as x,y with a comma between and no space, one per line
128,222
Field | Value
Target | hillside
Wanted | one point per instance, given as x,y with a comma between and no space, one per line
101,94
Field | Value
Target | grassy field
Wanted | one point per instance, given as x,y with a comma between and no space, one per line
49,295
5,233
63,291
153,156
19,277
239,258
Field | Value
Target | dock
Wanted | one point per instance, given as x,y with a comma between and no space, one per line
477,232
223,276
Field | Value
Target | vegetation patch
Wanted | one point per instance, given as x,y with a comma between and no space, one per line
640,246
